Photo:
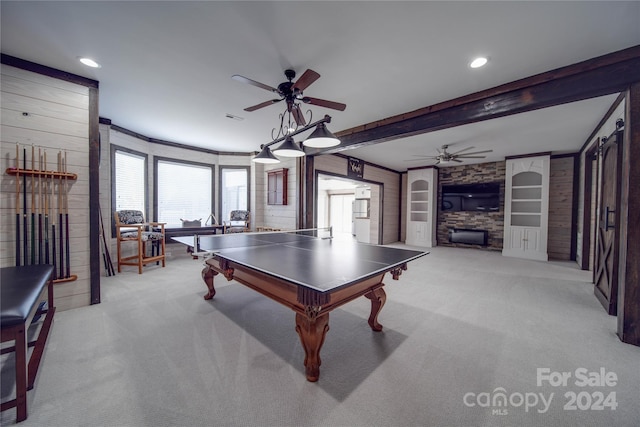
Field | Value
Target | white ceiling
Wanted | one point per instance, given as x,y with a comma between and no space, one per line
167,66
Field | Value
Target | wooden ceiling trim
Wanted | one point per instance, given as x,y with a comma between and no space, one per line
599,76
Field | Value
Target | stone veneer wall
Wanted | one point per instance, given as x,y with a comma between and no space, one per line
491,221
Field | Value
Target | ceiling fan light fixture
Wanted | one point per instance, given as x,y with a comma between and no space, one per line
321,137
266,156
289,148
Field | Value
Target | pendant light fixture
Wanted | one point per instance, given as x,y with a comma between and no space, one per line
289,148
321,137
266,156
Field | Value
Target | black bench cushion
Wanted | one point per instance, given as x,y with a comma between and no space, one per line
20,288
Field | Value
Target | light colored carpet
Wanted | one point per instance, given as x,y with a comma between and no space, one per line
460,326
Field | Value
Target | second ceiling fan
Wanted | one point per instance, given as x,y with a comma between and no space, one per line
292,93
445,157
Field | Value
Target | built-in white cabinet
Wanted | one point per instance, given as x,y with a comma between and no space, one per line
526,207
422,194
362,229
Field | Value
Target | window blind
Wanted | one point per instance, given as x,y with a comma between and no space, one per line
129,181
184,192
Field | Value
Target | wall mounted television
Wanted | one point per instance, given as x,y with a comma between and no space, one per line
484,197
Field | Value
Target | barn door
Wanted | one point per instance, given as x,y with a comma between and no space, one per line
606,266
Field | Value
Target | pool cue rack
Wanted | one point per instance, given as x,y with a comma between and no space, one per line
37,185
44,174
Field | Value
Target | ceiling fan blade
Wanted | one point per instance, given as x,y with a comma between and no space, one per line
305,80
464,149
298,116
262,105
246,80
471,157
424,157
324,103
475,152
455,160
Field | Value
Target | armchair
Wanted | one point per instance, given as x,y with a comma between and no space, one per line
131,227
238,222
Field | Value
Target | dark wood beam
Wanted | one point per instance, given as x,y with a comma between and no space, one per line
629,265
94,196
47,71
599,76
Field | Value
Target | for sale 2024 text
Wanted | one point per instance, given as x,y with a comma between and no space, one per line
595,397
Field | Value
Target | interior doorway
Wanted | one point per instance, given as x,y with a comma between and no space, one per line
346,205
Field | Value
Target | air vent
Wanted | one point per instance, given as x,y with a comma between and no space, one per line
232,117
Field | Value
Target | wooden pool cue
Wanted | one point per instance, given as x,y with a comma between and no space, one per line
60,231
17,205
25,237
66,214
108,265
33,208
40,206
46,213
53,230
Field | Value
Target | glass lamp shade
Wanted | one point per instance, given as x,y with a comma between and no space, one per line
321,137
289,148
266,156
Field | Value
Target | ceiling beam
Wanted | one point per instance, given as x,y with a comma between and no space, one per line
603,75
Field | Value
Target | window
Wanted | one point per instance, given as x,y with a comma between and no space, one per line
128,176
277,187
234,190
184,190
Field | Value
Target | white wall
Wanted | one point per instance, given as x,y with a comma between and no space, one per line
57,119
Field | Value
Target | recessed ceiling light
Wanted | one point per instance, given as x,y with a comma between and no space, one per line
478,62
89,62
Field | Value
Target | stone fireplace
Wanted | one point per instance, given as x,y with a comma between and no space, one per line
492,222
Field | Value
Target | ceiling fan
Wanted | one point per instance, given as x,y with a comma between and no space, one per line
292,93
445,157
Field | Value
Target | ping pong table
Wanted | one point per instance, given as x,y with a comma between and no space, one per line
308,274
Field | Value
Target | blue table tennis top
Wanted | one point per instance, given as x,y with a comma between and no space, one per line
320,264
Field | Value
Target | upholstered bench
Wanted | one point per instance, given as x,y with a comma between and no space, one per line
22,289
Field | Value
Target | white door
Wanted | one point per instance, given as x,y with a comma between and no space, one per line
340,213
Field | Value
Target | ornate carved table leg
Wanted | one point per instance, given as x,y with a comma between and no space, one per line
378,297
208,274
312,329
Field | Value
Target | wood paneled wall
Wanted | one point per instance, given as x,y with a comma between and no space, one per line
560,208
56,119
277,216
